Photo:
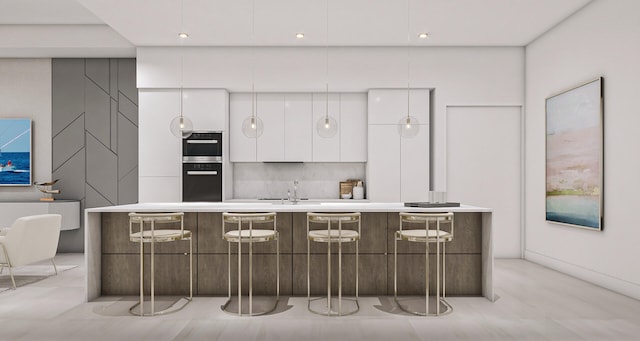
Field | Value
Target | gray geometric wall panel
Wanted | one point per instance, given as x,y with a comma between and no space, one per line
68,142
98,71
72,177
95,135
67,101
102,169
97,112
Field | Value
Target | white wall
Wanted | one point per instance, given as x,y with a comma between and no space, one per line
603,39
25,92
459,75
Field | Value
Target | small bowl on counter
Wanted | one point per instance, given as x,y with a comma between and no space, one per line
345,196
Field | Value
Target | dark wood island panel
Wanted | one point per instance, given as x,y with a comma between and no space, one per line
120,259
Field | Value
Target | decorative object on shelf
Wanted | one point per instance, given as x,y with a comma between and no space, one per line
15,152
181,126
358,190
327,126
408,126
45,187
252,126
574,156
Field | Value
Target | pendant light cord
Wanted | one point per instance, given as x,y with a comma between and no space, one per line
327,64
181,56
253,60
408,61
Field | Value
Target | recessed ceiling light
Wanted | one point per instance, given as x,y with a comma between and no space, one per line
423,35
183,35
300,35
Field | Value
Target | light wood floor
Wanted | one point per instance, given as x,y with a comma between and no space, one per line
534,303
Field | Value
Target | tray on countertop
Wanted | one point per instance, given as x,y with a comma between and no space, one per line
431,204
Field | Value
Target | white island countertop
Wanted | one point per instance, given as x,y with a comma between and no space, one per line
277,206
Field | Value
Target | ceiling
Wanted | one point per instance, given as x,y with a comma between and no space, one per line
121,25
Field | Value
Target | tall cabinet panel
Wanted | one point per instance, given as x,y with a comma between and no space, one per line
297,122
242,148
414,166
326,149
160,151
159,157
353,127
383,167
406,163
270,108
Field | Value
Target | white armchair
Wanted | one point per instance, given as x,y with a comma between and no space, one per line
30,239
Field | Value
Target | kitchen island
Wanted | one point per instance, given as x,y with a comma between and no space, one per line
112,260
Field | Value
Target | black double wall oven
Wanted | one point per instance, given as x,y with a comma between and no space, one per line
202,166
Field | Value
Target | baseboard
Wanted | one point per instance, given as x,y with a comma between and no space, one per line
608,282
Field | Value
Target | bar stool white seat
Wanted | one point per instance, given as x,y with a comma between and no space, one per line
428,235
154,234
330,236
249,236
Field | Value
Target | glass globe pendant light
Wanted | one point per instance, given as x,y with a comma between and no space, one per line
327,126
181,126
408,126
252,126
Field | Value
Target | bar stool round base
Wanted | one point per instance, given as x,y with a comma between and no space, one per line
170,303
319,305
262,305
415,306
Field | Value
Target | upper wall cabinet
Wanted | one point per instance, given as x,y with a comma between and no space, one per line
353,127
207,108
289,128
242,148
326,149
297,122
388,106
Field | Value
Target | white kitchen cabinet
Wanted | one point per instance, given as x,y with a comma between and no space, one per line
326,149
397,167
388,106
270,145
207,108
353,127
160,153
297,122
383,166
242,148
414,166
290,127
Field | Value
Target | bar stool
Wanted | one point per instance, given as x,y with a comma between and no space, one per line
330,236
249,236
154,235
425,235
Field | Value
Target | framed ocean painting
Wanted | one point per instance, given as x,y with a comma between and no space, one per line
15,152
574,156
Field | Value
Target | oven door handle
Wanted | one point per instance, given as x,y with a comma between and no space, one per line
202,172
203,141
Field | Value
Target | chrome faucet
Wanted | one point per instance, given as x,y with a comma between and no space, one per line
295,192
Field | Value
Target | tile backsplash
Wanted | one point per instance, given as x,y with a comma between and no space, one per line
321,180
